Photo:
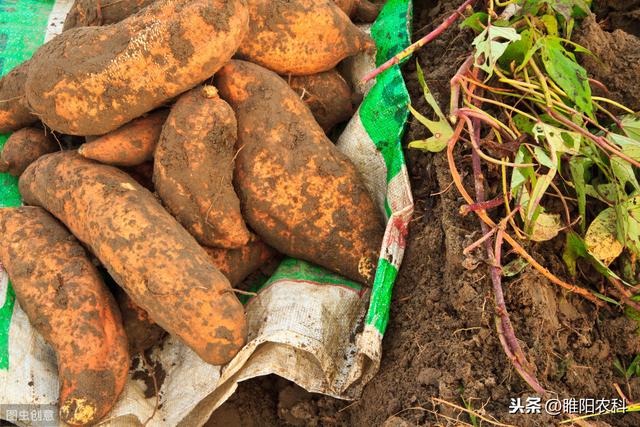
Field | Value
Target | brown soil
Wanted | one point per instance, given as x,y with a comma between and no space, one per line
441,341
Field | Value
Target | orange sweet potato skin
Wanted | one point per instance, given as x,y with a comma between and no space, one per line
129,145
92,80
67,302
327,95
193,169
298,192
24,147
142,332
14,110
160,266
89,13
300,37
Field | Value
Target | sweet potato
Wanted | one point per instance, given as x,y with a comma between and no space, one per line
193,169
14,110
23,148
90,13
92,80
237,264
160,266
298,192
129,145
68,303
327,95
300,37
360,10
142,332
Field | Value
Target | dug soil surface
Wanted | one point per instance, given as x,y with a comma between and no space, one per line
441,341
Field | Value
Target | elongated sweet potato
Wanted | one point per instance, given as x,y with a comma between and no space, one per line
193,169
298,192
89,13
360,10
23,148
160,266
69,304
237,264
327,95
129,145
14,110
92,80
300,37
142,332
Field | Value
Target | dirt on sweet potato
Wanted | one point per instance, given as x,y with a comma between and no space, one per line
68,303
90,13
193,169
24,147
92,80
145,250
299,193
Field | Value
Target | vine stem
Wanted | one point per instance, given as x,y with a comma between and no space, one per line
505,330
418,44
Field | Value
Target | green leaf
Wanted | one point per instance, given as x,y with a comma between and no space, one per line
515,267
601,238
491,44
606,193
630,218
579,167
629,146
517,50
519,176
567,74
574,248
428,95
551,23
524,123
624,176
631,124
440,129
477,22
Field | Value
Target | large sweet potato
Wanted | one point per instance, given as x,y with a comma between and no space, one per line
68,303
158,263
24,147
193,169
327,95
298,192
235,264
129,145
14,110
300,37
89,13
92,80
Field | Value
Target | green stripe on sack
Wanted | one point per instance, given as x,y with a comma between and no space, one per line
23,24
383,114
378,314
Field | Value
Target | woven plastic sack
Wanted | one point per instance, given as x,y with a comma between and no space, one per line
306,324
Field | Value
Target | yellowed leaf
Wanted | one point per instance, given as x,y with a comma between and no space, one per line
547,227
601,238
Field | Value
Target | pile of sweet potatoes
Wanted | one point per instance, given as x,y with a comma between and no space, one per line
205,155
